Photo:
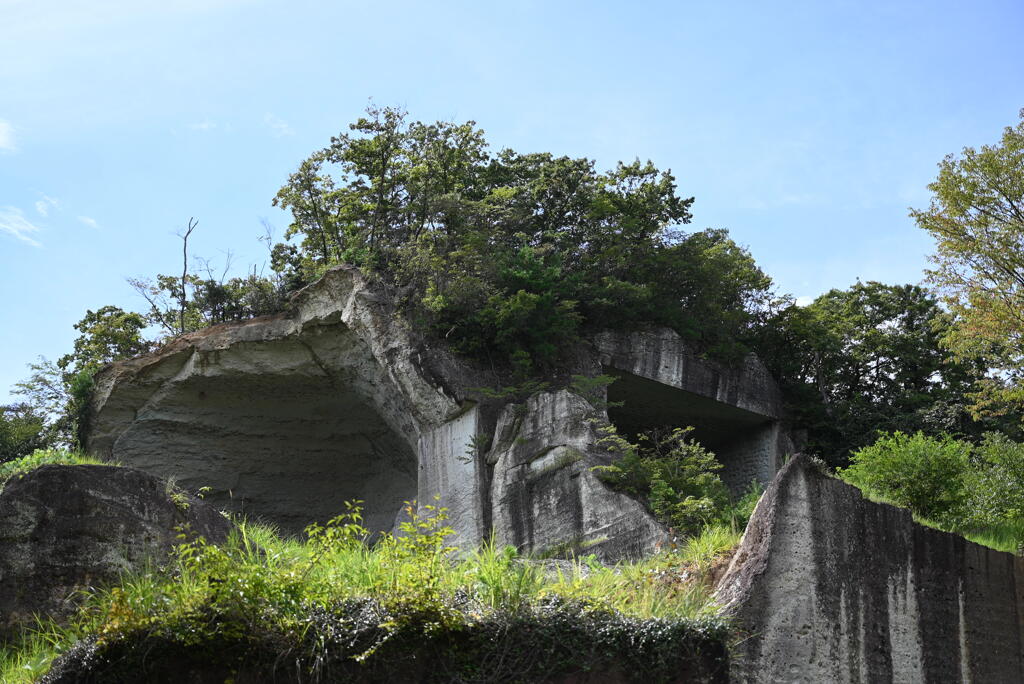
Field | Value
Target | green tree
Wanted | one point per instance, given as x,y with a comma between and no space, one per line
507,255
21,431
105,335
869,359
59,392
976,216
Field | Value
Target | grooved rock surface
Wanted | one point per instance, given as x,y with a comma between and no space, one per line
831,587
545,496
661,355
67,527
286,417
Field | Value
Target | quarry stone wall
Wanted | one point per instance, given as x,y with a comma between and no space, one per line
286,417
736,410
830,587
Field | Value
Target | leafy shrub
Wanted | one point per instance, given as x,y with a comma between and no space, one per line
675,476
925,474
995,485
975,490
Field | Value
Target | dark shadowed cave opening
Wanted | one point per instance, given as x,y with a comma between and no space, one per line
742,441
287,449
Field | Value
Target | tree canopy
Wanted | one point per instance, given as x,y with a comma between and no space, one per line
976,216
507,256
867,359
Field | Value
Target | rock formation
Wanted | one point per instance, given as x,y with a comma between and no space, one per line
831,587
63,528
285,417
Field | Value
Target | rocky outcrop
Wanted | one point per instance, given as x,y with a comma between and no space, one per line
63,528
831,587
286,417
546,497
662,356
736,411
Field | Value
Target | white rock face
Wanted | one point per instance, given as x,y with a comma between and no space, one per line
545,495
287,417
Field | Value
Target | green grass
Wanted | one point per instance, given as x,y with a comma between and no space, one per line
264,587
41,457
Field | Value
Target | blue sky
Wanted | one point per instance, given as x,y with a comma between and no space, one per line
805,128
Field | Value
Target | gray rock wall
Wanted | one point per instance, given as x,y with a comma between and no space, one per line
287,417
545,496
830,587
63,528
736,411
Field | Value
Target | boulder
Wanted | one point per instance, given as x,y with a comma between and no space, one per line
64,528
830,587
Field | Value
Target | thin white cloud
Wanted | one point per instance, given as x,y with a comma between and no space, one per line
804,300
14,223
43,206
7,136
205,125
91,222
279,126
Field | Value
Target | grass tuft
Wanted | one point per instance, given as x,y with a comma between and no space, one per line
41,457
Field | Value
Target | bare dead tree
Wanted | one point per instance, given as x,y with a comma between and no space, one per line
183,299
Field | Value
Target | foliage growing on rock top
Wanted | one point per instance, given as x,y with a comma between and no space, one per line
973,489
500,253
333,608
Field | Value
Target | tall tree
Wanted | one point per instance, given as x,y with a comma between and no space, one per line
58,393
976,216
508,255
869,359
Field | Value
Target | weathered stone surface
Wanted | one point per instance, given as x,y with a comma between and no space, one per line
661,355
545,496
67,527
831,587
736,411
287,417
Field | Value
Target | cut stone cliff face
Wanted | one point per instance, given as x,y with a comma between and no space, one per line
286,417
831,587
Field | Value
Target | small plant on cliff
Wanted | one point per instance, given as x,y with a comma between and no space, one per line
674,475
